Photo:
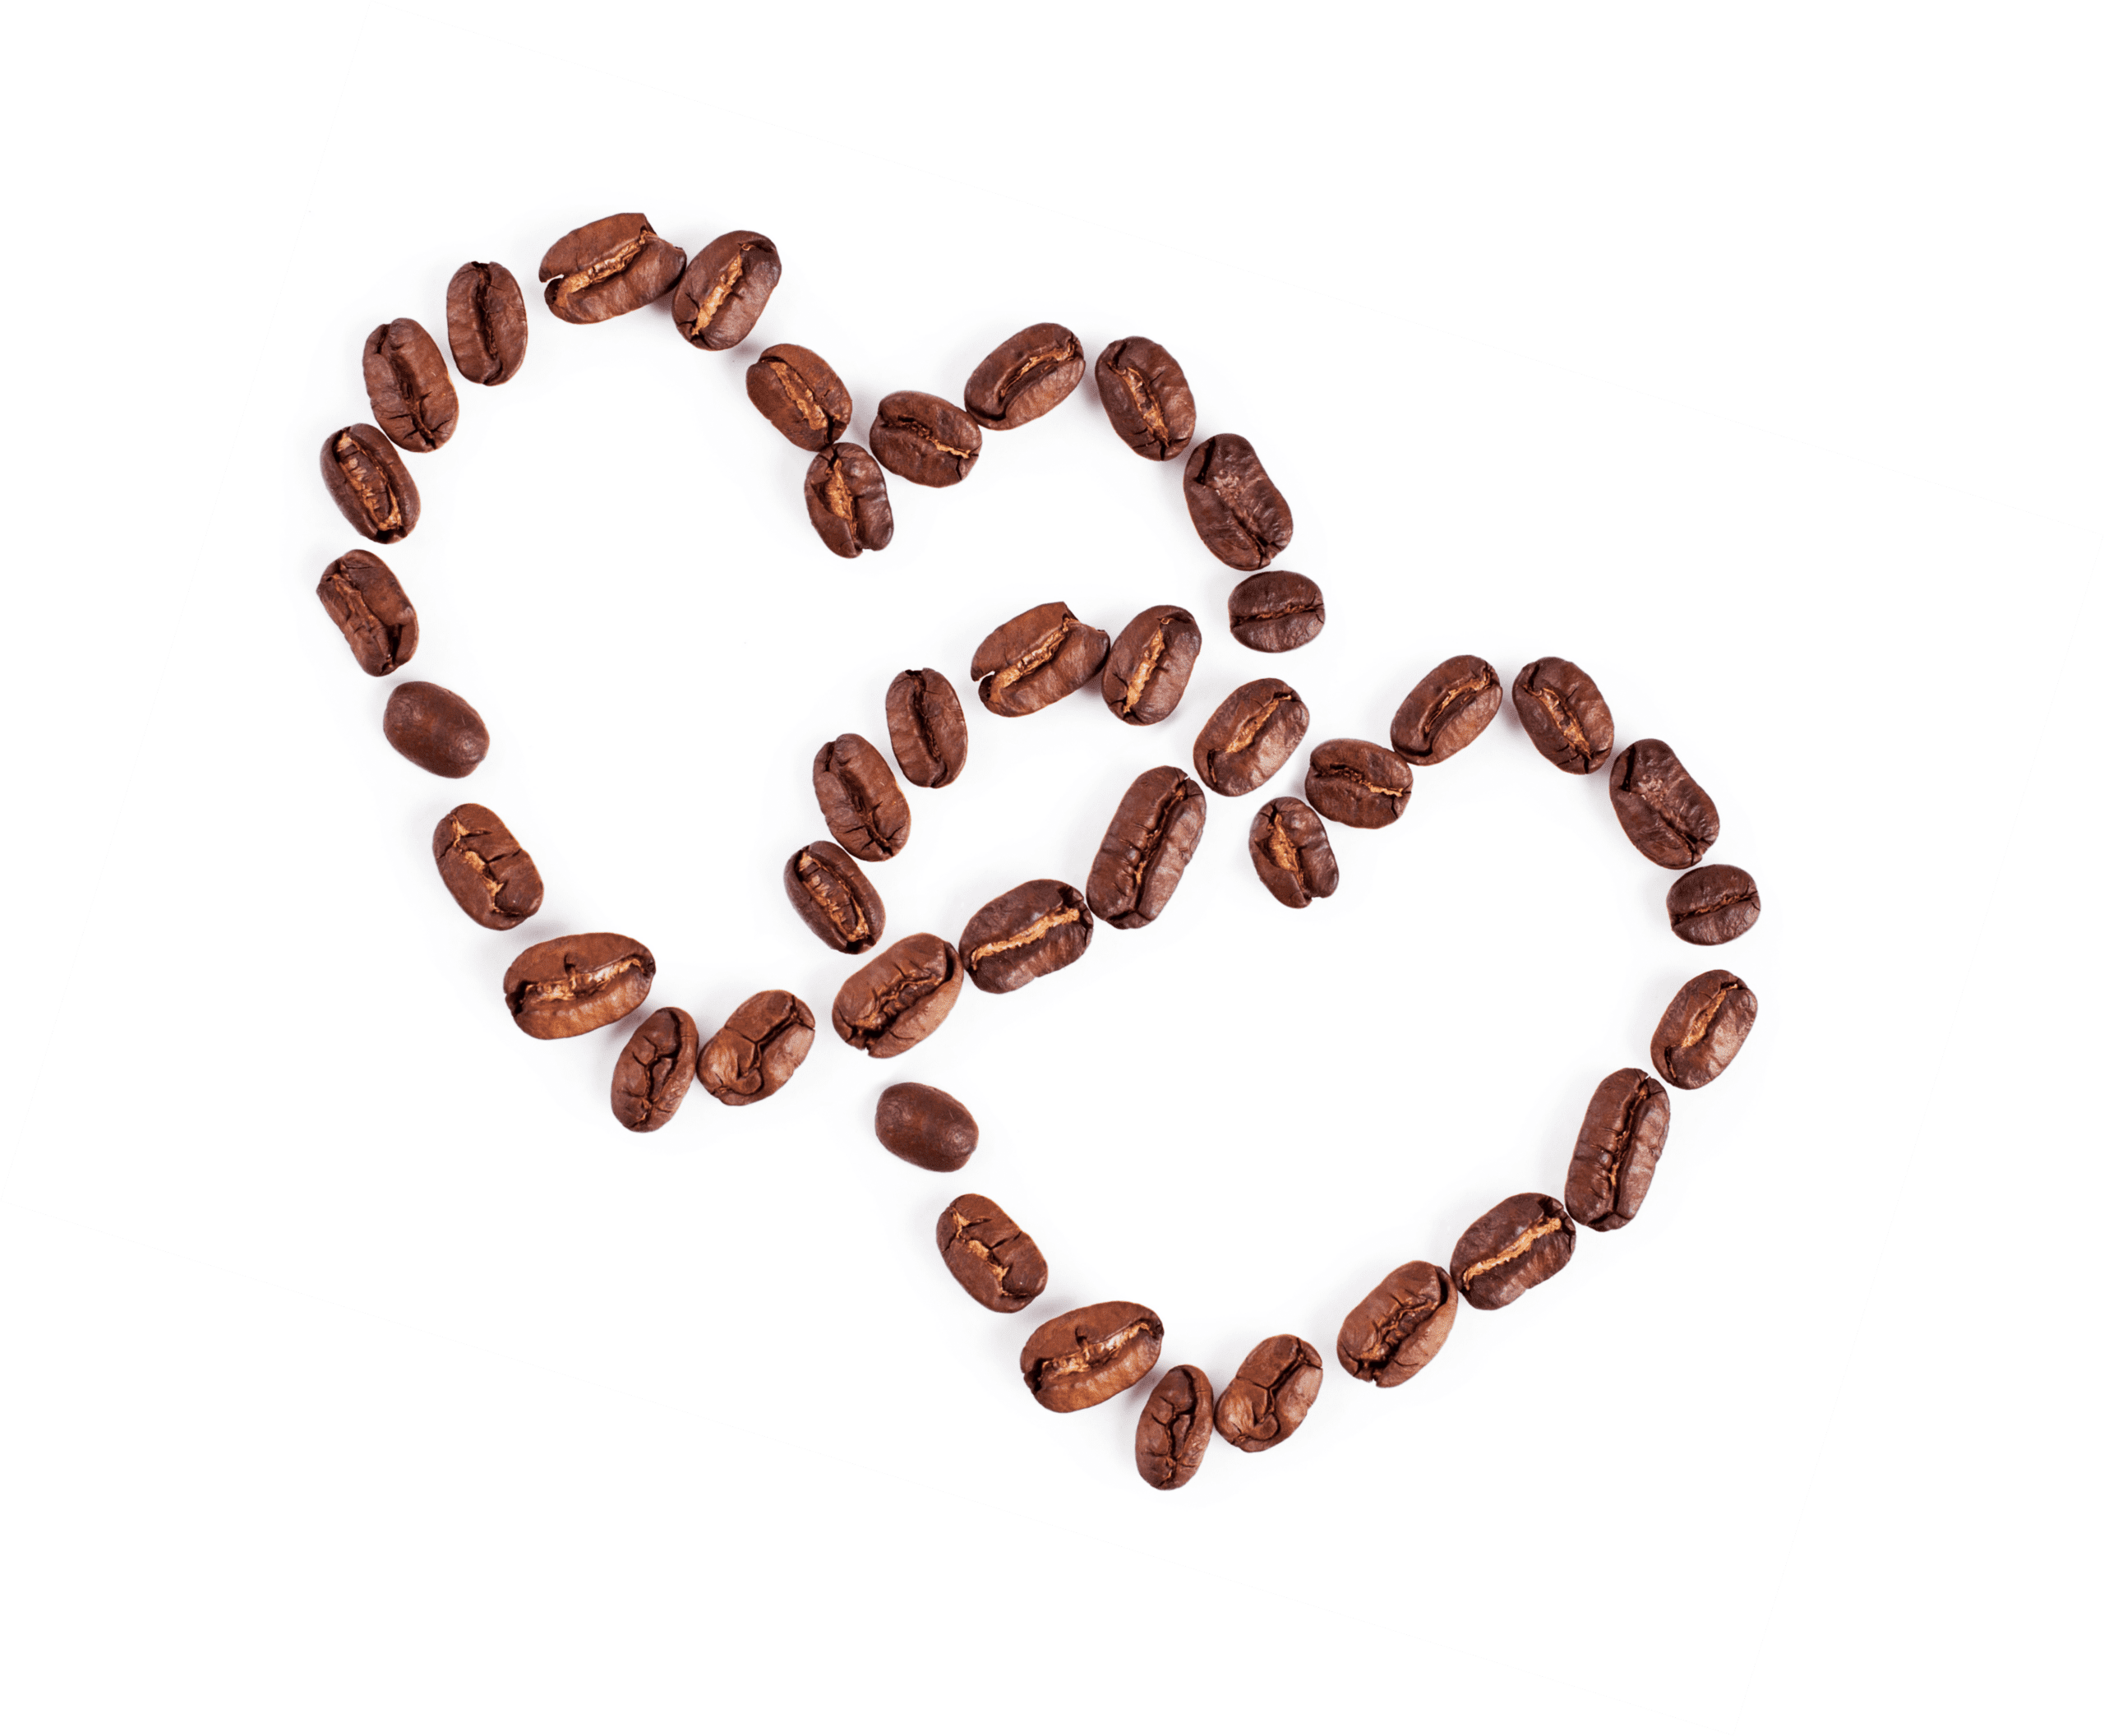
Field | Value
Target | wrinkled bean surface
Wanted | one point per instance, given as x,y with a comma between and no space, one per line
1446,711
1024,377
433,727
1619,1144
372,487
406,383
760,1045
1666,814
1358,783
486,869
371,610
1564,715
1291,849
1250,736
1511,1248
929,737
651,1077
1703,1028
1146,847
988,1254
834,897
928,1128
1039,927
848,502
724,289
863,805
926,439
899,997
486,322
1400,1326
1239,512
1150,664
609,268
1712,904
1175,1427
1090,1354
1036,659
569,986
1146,397
1276,611
1271,1395
796,391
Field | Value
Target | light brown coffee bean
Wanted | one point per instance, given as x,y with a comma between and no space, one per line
899,997
987,1252
406,383
761,1045
1092,1354
1400,1326
1271,1395
656,1068
1702,1029
433,727
1175,1428
569,986
371,610
486,869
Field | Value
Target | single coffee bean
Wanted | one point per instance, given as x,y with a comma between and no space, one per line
759,1046
1666,815
1276,611
724,289
371,610
366,479
1358,783
1446,711
1147,398
928,1128
1238,509
1271,1395
850,506
486,322
486,869
1176,1426
1148,846
1619,1144
651,1077
863,805
1039,927
1400,1326
609,268
1250,736
928,734
998,1265
433,728
1150,664
1090,1355
1291,850
567,987
1022,378
834,897
1041,655
795,389
1511,1248
1702,1029
1711,904
926,439
406,383
1564,714
899,997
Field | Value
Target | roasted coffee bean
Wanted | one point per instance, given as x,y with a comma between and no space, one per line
651,1077
486,322
1150,664
928,734
1400,1326
1090,1354
435,728
928,1128
567,987
1564,715
863,805
1446,711
1291,850
486,869
1176,1426
1146,397
1271,1395
1039,927
1022,379
607,268
899,997
834,897
998,1265
1041,655
1666,814
1238,511
372,487
1702,1029
1275,611
724,289
1709,905
371,610
1511,1248
1619,1144
1250,736
795,389
760,1044
406,383
1358,783
1148,846
926,439
850,506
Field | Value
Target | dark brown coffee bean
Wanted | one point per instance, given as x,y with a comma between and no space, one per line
1176,1426
486,323
608,267
1039,927
1712,904
1022,378
1041,655
1271,1395
724,289
651,1077
1148,846
1090,1354
371,610
436,729
1150,664
926,439
1564,715
1250,736
850,506
759,1046
928,734
486,869
1666,814
406,383
862,803
795,389
834,897
1276,611
1511,1248
567,987
1358,783
1238,511
986,1252
928,1128
366,479
1446,711
1400,1326
899,997
1146,397
1291,850
1619,1144
1702,1029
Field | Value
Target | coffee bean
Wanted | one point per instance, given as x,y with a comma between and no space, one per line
1271,1395
797,391
928,1128
998,1265
433,728
899,997
1358,783
850,506
1291,850
1176,1426
1250,736
1511,1248
1039,927
724,289
834,897
928,734
1619,1144
1147,398
926,439
1238,511
651,1077
371,610
366,478
608,267
759,1046
1022,378
1150,664
486,869
1400,1326
863,806
1712,904
1276,611
1702,1029
1148,846
1666,815
1090,1355
567,987
1446,711
406,383
1564,715
486,323
1040,656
